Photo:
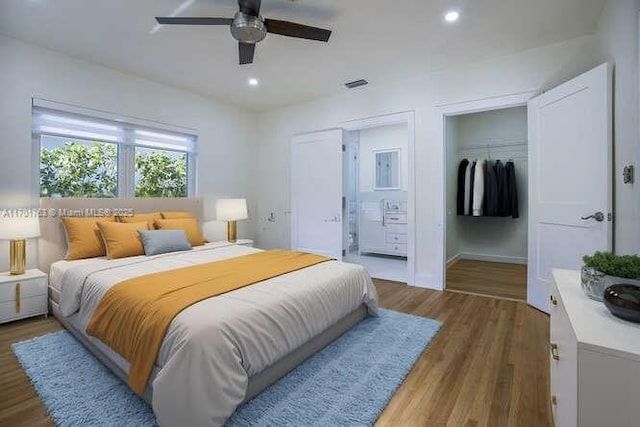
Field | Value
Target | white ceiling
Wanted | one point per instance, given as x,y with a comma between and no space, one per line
381,40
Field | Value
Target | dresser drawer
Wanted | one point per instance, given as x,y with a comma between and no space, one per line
396,228
563,359
397,249
395,218
27,289
396,238
28,307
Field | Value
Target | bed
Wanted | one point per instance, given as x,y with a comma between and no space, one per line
224,350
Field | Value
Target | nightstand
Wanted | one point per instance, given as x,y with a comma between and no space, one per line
23,295
245,242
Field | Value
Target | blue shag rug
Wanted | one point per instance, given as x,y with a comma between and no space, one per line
348,383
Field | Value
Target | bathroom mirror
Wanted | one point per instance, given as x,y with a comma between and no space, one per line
387,169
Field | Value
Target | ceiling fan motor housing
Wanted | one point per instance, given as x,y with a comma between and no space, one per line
247,28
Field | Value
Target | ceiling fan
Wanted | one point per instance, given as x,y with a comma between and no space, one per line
249,28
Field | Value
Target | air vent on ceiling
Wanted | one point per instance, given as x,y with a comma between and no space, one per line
356,83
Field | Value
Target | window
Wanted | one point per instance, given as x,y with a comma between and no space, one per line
60,175
84,153
160,173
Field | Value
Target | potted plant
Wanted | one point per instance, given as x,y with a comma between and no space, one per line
604,269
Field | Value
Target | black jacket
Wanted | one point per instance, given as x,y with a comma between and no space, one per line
490,191
504,206
512,189
462,170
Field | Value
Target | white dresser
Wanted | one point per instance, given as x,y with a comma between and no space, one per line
23,295
595,360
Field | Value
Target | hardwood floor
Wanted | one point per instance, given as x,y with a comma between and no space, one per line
488,278
19,403
488,365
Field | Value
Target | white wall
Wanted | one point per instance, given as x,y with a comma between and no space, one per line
383,138
497,239
226,146
618,43
451,198
531,70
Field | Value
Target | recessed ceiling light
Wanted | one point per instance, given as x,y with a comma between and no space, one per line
452,16
253,82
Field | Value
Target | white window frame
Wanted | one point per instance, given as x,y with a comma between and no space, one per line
126,144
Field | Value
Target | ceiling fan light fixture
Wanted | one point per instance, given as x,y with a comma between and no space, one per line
247,28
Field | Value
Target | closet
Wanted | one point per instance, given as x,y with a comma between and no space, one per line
486,199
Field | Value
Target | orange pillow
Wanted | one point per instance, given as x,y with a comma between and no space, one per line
142,217
122,239
175,215
189,225
83,237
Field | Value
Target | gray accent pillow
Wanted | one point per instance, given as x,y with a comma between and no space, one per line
157,242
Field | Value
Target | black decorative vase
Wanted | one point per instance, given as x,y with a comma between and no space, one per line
623,301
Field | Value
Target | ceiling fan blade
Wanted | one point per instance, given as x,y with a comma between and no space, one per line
246,50
194,21
291,29
250,7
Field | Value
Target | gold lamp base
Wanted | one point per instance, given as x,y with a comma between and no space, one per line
231,231
17,257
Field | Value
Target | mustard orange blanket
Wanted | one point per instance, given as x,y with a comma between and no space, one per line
133,316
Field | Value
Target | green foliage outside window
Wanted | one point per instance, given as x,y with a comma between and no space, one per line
79,170
90,170
161,175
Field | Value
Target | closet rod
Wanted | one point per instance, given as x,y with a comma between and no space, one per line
484,147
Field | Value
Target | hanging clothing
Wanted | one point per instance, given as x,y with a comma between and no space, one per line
490,191
472,186
512,189
467,189
478,188
462,171
504,207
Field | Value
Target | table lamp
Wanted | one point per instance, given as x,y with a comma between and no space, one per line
231,210
17,229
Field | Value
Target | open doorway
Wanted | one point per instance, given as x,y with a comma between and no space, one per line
377,204
486,203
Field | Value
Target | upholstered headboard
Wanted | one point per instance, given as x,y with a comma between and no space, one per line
52,244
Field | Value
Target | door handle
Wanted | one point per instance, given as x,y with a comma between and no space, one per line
598,216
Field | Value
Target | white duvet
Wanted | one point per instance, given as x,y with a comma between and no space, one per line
213,347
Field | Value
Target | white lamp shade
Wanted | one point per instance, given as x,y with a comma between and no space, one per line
18,228
231,209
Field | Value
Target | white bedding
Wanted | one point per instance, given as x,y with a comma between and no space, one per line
213,347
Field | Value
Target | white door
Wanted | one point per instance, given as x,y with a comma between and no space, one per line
316,193
570,144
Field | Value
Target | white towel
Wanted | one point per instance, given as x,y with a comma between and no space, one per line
478,188
467,190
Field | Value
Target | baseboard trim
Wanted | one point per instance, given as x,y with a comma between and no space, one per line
453,260
493,258
485,295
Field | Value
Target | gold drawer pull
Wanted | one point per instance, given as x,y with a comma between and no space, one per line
554,300
554,351
18,297
554,399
